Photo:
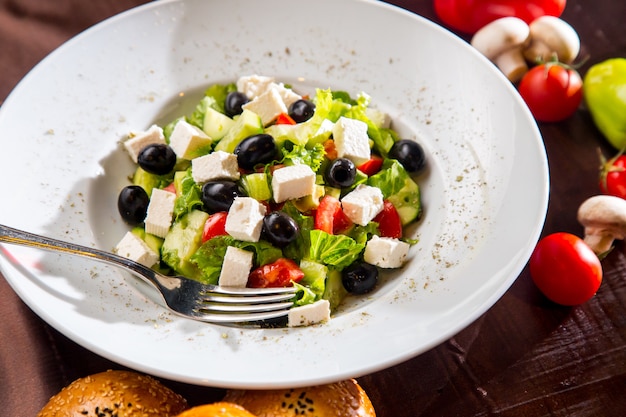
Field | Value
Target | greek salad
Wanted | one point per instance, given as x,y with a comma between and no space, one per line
260,186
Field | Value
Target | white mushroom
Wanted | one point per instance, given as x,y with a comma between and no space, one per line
549,36
604,220
502,42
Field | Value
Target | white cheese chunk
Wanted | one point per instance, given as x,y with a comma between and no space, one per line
188,141
326,128
160,211
213,166
132,247
135,144
254,85
306,315
362,204
236,267
379,118
268,106
293,182
286,94
351,140
245,219
386,252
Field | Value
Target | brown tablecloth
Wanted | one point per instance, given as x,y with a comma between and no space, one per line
524,357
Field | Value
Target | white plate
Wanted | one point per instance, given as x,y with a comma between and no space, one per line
485,195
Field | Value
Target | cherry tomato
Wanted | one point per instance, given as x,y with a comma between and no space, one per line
389,223
470,15
372,166
329,216
215,226
279,273
552,91
565,269
613,176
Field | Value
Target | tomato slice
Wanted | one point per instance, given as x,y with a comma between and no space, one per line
170,188
389,223
285,119
279,273
215,225
372,166
329,216
330,149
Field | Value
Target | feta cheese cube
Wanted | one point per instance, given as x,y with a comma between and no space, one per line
135,144
216,165
132,247
268,106
253,85
293,182
386,252
326,128
236,267
379,118
362,204
286,94
160,211
306,315
351,140
188,141
245,219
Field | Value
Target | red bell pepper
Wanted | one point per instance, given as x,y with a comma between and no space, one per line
470,15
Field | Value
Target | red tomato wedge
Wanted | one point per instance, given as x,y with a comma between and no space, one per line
277,274
285,119
389,223
215,226
329,216
372,166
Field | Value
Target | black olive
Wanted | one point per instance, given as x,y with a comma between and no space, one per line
255,149
157,158
301,110
219,195
410,154
340,173
359,278
233,103
132,203
279,229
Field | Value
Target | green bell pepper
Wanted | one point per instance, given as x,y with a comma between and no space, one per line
604,89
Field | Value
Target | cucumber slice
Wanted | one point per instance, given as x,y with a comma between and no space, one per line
182,241
247,124
216,124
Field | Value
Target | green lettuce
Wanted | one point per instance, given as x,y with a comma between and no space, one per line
338,251
214,97
299,154
189,196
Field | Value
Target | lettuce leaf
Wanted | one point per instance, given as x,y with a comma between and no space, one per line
214,97
189,197
301,155
338,251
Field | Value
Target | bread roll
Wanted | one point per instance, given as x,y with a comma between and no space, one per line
340,399
115,393
219,409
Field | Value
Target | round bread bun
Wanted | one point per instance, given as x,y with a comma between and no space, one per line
115,393
218,409
341,399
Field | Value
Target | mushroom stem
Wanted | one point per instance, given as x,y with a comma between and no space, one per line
512,64
599,243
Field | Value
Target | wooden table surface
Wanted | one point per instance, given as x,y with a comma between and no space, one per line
523,357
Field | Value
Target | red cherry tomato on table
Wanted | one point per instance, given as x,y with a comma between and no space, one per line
552,91
470,15
613,177
565,269
277,274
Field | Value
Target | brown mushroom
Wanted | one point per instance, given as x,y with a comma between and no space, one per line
604,220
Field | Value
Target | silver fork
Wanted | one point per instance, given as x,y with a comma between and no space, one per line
184,296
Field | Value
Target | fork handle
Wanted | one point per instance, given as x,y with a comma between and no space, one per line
22,238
